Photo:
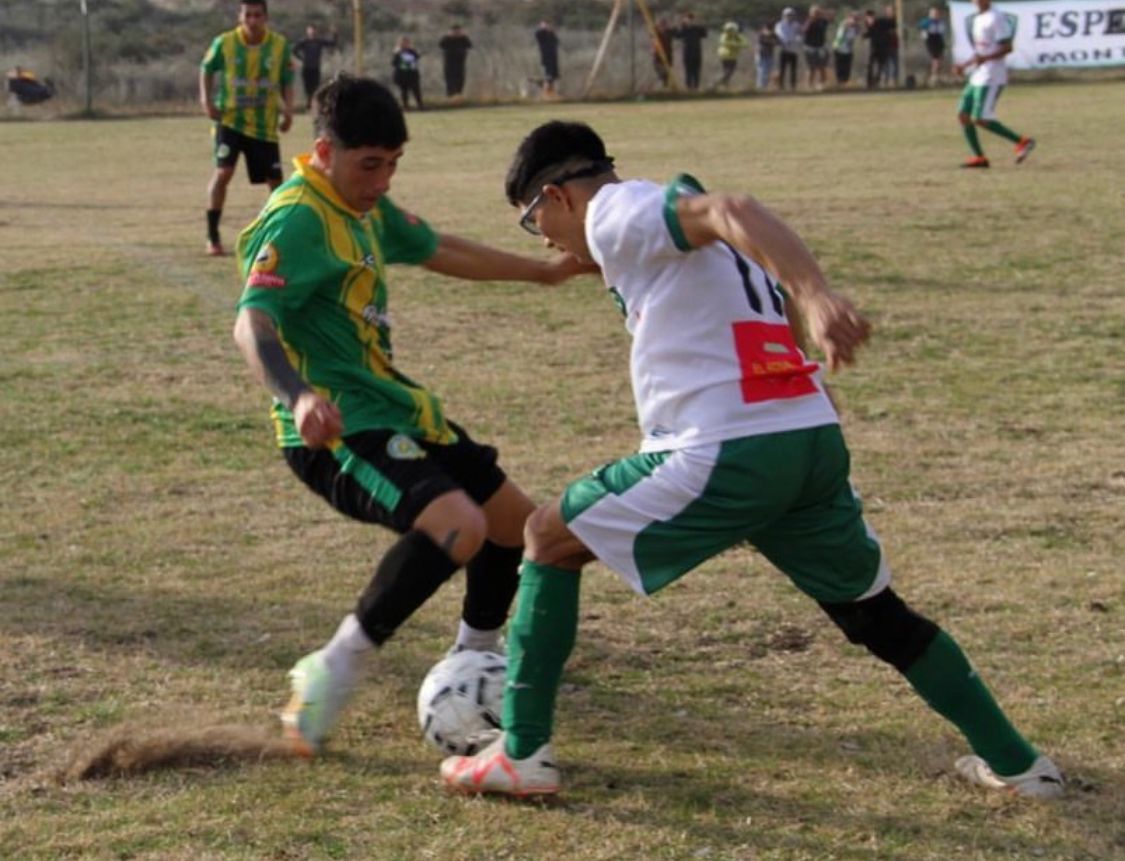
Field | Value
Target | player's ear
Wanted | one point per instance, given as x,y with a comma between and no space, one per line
323,148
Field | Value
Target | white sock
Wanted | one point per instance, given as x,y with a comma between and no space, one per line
347,646
476,639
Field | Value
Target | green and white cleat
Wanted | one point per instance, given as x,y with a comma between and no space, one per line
312,711
1042,780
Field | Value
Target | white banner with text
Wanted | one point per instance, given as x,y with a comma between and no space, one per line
1051,34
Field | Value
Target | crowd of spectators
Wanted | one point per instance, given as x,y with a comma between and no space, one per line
818,40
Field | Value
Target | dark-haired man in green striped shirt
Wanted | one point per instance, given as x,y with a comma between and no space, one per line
255,89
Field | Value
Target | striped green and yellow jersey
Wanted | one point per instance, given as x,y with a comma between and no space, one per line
318,269
249,95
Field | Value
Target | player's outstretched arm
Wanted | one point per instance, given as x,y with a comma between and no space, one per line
463,258
318,420
830,320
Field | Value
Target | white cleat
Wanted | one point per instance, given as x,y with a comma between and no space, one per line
493,771
1042,780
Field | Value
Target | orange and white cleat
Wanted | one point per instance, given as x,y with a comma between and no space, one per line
1042,780
492,771
215,249
1023,149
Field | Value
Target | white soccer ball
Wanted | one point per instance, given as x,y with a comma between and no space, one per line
460,699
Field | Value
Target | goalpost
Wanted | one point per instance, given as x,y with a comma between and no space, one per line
650,26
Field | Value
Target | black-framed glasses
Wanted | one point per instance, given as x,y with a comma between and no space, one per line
527,217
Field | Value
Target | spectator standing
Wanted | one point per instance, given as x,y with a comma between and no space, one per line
247,111
308,50
890,70
843,48
548,41
662,59
788,32
767,45
933,29
879,36
455,47
814,33
407,72
692,34
731,43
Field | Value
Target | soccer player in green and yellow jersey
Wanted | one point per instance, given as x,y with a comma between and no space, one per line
313,326
254,99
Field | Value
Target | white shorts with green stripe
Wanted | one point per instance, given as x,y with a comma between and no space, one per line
653,517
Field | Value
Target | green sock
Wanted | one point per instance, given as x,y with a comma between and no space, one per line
945,680
540,639
998,128
971,136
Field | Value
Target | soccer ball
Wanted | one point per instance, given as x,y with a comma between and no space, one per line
460,700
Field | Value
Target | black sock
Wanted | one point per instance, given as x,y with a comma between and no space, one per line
491,579
213,216
408,574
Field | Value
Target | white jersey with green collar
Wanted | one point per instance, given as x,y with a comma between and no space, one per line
988,30
713,357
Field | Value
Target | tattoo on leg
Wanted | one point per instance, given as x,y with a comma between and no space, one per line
449,541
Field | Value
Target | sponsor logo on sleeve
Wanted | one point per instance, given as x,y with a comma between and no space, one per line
262,273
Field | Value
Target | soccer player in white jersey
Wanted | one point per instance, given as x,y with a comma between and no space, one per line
740,443
992,34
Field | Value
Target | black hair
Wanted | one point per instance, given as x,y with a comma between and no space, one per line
261,3
358,112
551,143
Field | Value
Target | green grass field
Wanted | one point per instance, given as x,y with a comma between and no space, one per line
160,566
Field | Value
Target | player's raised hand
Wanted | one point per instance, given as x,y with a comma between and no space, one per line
318,420
835,326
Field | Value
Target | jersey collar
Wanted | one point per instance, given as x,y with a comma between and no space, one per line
242,37
321,184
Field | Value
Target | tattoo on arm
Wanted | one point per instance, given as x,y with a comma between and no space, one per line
273,364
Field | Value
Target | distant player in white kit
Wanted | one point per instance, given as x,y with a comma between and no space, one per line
992,34
740,443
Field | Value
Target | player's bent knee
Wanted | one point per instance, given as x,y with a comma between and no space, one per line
455,524
548,541
886,626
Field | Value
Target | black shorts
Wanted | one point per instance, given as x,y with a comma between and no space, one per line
263,158
386,477
935,44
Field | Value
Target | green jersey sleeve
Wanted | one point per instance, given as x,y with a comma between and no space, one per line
283,260
213,59
403,236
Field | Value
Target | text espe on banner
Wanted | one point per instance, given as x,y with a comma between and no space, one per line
1051,34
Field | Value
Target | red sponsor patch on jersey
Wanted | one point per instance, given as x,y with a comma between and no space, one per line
773,368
